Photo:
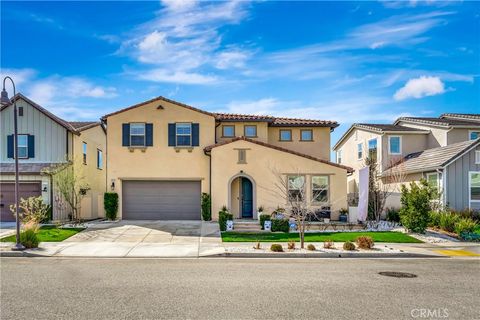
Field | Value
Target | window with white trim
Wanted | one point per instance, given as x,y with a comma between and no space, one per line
184,134
372,149
320,186
473,135
99,159
395,145
137,134
359,151
23,146
433,180
296,188
474,192
84,152
477,157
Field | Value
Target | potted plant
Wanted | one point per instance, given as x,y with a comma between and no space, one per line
343,215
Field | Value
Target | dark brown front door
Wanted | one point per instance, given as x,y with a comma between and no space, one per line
7,196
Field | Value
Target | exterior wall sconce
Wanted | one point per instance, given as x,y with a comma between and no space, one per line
112,186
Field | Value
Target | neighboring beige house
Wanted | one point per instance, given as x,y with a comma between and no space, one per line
46,141
395,143
163,154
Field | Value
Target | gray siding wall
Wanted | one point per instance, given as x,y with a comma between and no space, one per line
50,137
457,181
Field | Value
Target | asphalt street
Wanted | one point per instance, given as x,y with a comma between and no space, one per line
222,288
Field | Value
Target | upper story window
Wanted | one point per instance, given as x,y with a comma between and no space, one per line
250,131
228,131
359,151
474,135
296,188
23,146
306,135
433,181
339,156
372,149
285,135
20,111
477,157
394,145
183,134
137,134
99,159
320,188
84,152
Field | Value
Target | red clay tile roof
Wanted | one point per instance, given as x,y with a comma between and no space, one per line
276,121
267,145
230,117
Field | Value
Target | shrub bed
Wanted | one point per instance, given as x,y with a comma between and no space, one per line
206,207
459,222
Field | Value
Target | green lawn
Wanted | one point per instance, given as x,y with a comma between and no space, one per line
49,234
394,237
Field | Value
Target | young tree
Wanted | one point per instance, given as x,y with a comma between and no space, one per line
380,189
293,187
71,186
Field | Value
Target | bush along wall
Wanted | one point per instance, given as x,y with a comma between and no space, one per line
110,204
263,218
206,207
223,216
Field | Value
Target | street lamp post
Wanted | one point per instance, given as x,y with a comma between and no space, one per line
5,99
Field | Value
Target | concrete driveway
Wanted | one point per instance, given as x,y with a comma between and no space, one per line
142,238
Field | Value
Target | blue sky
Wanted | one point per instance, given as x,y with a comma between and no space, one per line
344,61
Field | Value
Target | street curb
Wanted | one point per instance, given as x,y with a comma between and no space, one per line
330,255
17,254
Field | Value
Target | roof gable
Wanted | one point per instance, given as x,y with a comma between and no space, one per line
157,99
267,145
47,113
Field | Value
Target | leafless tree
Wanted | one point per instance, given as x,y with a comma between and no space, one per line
71,186
293,187
381,187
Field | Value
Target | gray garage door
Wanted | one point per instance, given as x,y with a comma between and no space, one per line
161,200
7,196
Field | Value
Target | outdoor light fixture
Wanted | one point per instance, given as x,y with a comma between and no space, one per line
6,100
112,186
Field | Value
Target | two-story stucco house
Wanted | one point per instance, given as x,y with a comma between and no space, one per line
419,147
163,154
46,141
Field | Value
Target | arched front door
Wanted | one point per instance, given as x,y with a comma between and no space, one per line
246,198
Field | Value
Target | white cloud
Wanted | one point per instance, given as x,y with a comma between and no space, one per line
420,87
180,77
184,40
19,76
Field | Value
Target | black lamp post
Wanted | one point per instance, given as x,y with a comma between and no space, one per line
5,99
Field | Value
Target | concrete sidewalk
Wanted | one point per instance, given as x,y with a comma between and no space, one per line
166,239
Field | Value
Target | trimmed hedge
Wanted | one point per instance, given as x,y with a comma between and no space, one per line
223,216
206,207
263,218
110,204
282,225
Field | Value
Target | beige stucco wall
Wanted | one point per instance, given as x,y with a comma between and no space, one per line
95,177
159,161
459,135
349,153
410,143
262,130
319,147
437,136
262,165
